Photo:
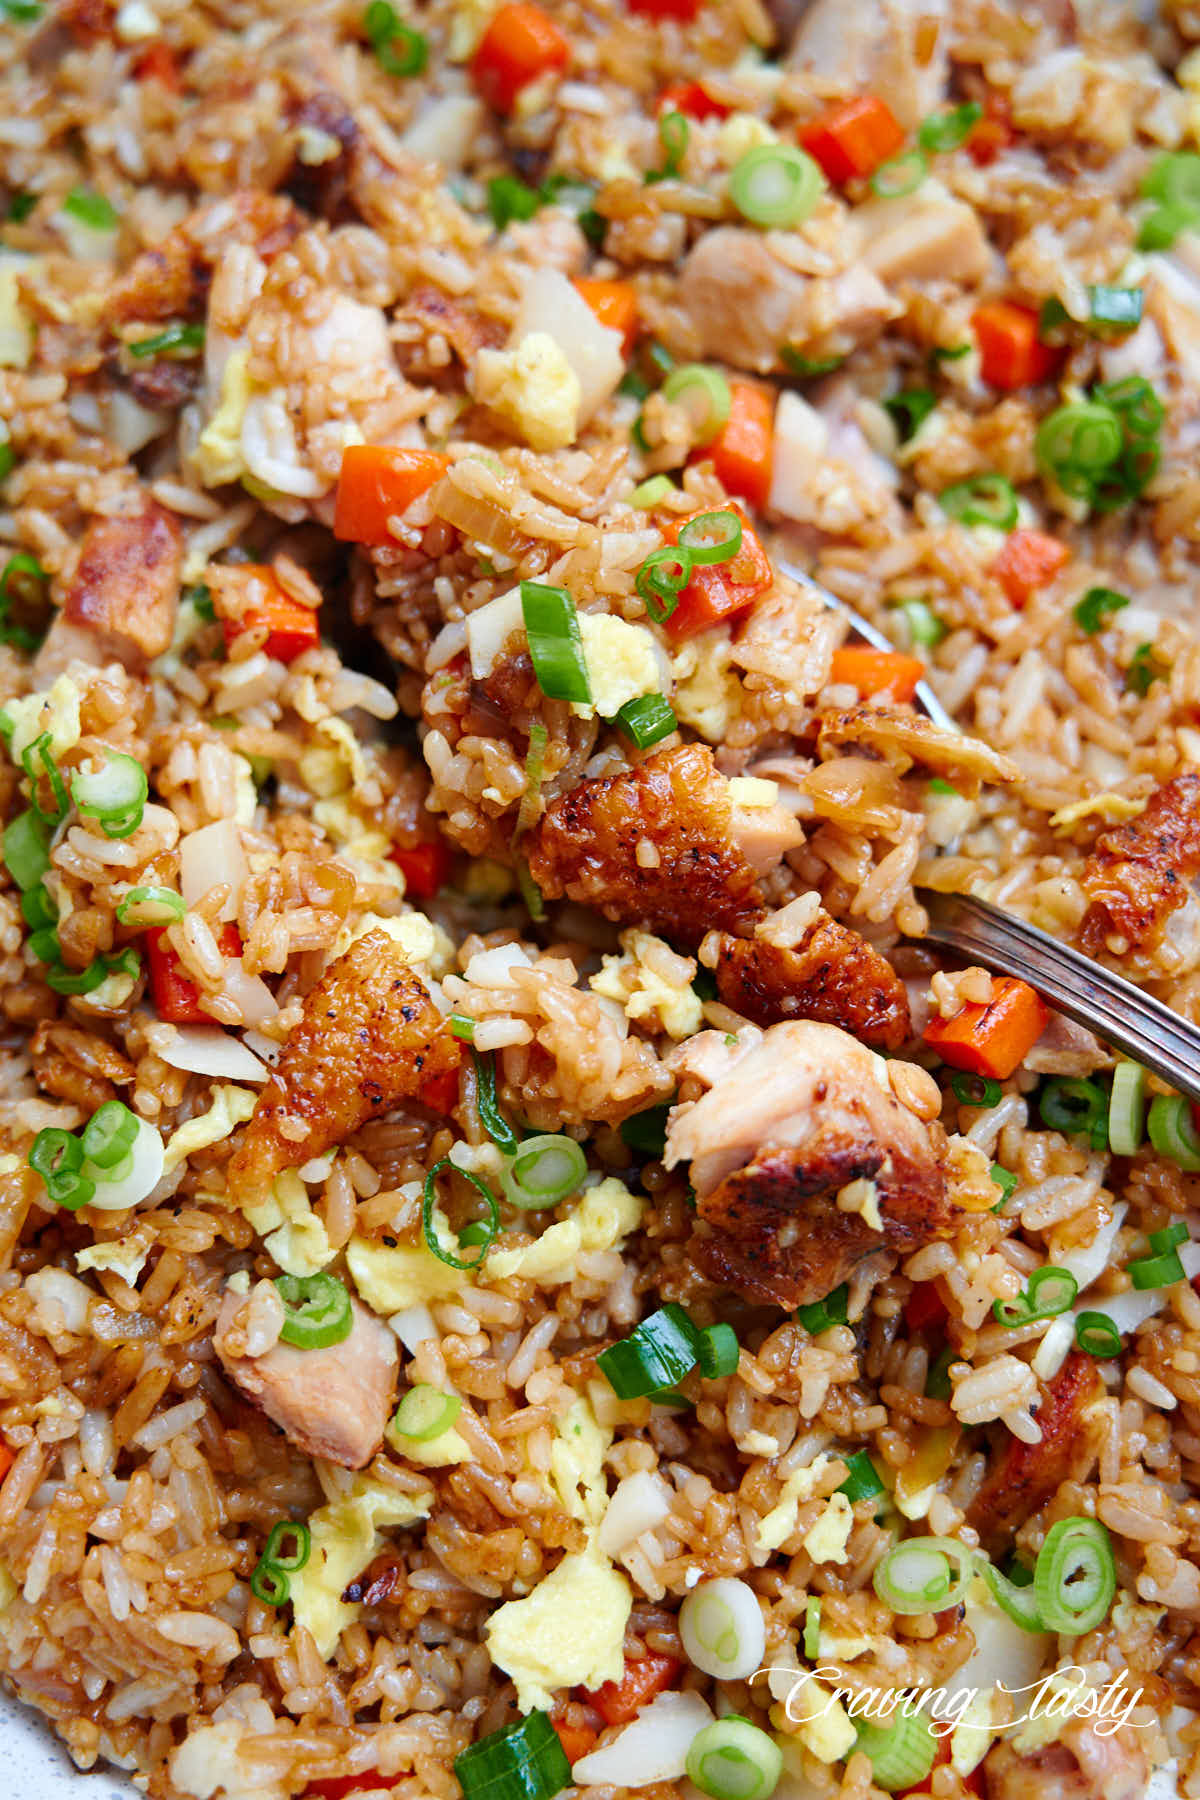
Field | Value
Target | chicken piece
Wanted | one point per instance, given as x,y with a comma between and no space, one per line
897,48
1138,874
369,1037
745,305
832,975
903,739
925,236
125,588
782,1135
1025,1476
1066,1048
662,845
1080,1765
332,1402
437,315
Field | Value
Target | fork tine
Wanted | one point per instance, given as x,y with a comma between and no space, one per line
1107,1004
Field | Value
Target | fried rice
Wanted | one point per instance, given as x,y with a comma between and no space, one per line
489,1169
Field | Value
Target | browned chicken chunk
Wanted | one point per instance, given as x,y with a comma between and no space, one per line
832,975
804,1163
333,1402
125,587
1082,1764
1025,1476
1140,873
369,1037
662,845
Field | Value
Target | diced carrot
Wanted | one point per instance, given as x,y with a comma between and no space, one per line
176,996
425,868
925,1309
742,450
1029,560
1010,351
521,43
440,1092
379,482
291,626
718,591
995,1039
157,63
339,1786
576,1740
618,1701
614,304
7,1459
692,99
854,137
684,11
993,133
877,671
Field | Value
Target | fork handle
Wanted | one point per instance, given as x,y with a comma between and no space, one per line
1094,997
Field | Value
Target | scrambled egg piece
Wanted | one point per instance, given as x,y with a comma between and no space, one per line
533,388
209,1762
808,1710
1114,809
231,1107
422,941
55,711
217,457
741,132
577,1462
126,1260
391,1278
468,22
707,692
298,1240
780,1522
16,331
643,992
601,1220
341,818
438,1452
752,791
623,663
345,1536
826,1541
570,1631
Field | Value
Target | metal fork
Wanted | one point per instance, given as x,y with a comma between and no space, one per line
1117,1011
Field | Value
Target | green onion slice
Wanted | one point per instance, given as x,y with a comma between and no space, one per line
662,578
1115,308
115,795
1132,397
38,909
425,1412
947,130
40,752
524,1761
270,1585
704,394
317,1310
938,1385
1015,1599
535,762
86,981
1169,1237
1163,224
1175,175
812,1627
925,629
432,1242
1097,1335
1077,443
983,500
718,1351
150,906
648,493
1096,607
646,720
1005,1180
57,1156
555,643
808,367
91,209
1156,1271
1172,1131
900,175
712,537
461,1027
27,848
901,1754
925,1574
8,459
508,198
646,1132
108,1135
909,410
1127,1109
775,185
543,1172
1049,1291
488,1107
863,1482
975,1090
399,50
734,1760
657,1355
288,1531
673,134
1076,1108
1075,1577
819,1315
176,339
23,582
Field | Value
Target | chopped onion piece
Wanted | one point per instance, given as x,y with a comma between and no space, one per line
249,993
722,1629
204,1050
640,1502
209,858
653,1748
414,1326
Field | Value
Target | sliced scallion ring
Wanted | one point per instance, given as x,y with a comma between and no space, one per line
432,1241
1172,1131
1076,1108
982,500
1016,1600
901,1753
57,1156
812,1627
425,1413
488,1107
39,752
657,1355
1127,1109
900,175
555,643
1096,1334
712,537
1075,1577
947,130
525,1760
114,794
704,394
544,1171
150,906
924,1574
108,1135
776,185
317,1310
662,578
288,1531
1049,1291
734,1760
718,1351
862,1482
646,720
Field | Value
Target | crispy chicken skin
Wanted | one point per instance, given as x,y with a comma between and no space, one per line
832,976
369,1037
790,1124
332,1402
1025,1476
1081,1764
1140,873
125,587
587,847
